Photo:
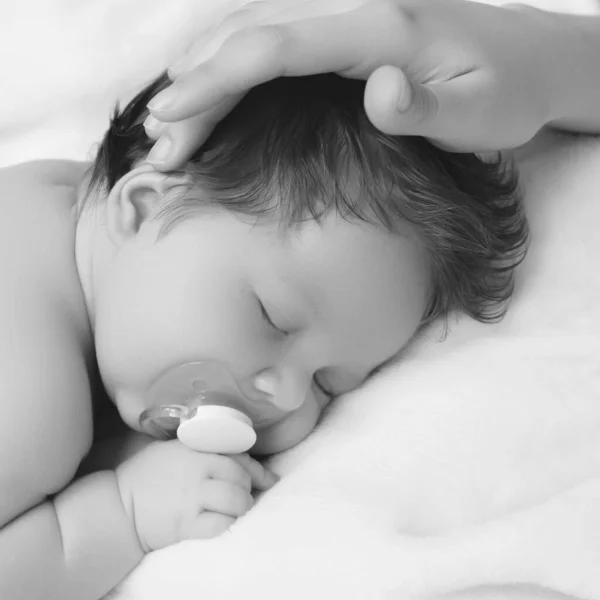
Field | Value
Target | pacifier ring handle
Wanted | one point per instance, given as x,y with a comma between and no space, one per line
162,422
216,429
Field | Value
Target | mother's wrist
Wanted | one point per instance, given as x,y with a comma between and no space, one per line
574,72
565,59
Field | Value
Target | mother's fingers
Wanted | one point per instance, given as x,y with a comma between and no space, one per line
443,112
353,39
207,44
183,138
340,43
257,14
241,63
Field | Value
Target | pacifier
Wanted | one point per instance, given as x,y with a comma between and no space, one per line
201,404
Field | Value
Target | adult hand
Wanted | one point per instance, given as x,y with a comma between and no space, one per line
468,76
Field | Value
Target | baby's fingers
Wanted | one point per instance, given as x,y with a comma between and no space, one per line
206,525
262,478
225,498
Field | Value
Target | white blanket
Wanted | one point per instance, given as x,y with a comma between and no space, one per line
471,468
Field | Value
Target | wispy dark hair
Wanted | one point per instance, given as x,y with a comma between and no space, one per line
298,148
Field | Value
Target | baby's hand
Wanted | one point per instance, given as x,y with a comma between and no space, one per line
173,493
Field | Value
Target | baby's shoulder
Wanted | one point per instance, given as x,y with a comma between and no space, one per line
37,223
44,383
45,172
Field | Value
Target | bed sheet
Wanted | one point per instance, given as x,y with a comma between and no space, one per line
469,469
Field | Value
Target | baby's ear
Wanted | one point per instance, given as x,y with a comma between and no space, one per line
133,200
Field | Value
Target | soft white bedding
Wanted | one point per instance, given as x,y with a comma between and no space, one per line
473,464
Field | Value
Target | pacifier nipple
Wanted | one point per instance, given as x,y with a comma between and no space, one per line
198,412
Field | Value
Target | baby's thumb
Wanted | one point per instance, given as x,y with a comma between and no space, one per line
397,106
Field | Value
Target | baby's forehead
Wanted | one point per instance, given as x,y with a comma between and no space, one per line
352,246
363,284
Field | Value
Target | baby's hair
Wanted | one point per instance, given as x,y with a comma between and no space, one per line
299,148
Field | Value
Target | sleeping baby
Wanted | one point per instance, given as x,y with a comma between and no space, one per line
293,256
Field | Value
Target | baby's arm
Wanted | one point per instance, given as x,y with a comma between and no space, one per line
61,540
83,541
77,546
55,543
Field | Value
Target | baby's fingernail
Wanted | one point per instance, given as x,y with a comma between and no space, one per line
160,152
163,101
153,124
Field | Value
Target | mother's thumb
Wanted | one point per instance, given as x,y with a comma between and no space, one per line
397,106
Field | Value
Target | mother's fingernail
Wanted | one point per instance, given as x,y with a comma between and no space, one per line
160,152
152,124
163,101
177,67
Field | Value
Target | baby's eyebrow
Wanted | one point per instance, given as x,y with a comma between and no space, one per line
300,298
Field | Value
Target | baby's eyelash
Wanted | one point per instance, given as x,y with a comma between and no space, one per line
268,319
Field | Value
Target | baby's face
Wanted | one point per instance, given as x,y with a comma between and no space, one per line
288,316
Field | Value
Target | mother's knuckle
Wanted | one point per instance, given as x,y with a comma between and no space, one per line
273,37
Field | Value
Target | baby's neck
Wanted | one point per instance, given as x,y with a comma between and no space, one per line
84,237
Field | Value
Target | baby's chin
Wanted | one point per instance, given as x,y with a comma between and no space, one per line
274,441
287,433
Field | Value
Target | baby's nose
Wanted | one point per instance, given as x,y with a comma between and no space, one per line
287,390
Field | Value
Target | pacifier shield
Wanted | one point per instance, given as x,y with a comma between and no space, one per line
162,422
200,403
218,429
